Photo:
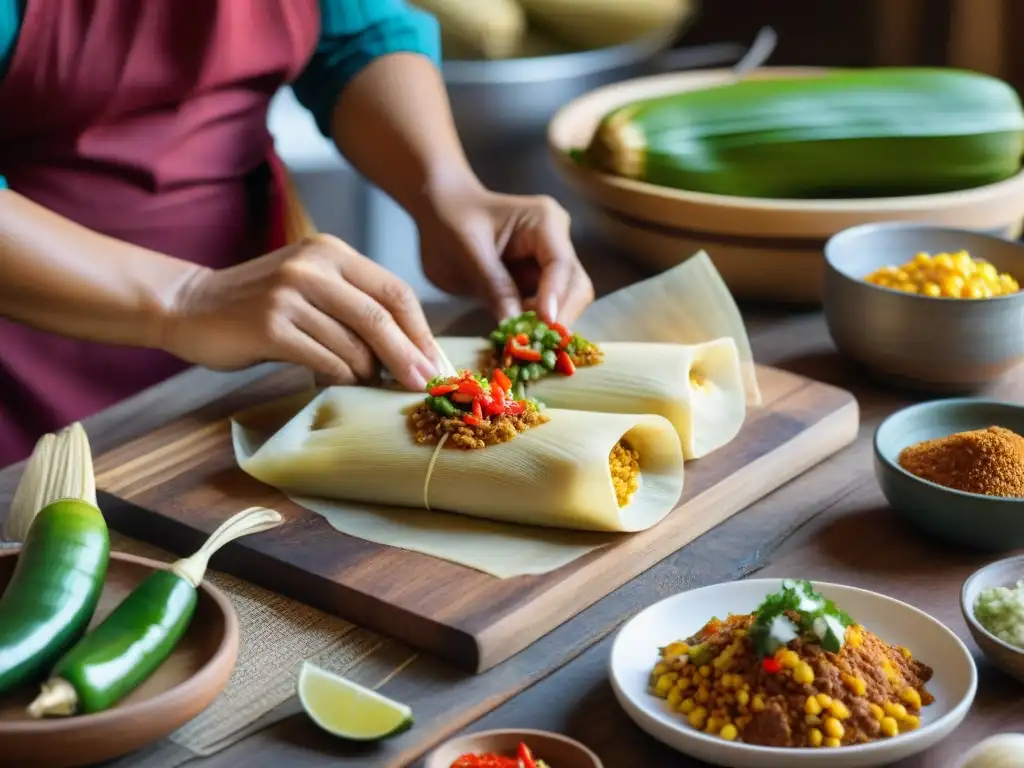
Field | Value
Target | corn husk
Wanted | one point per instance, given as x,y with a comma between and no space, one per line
355,444
697,387
60,467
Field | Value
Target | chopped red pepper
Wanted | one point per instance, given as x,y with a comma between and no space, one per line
525,756
514,408
564,363
563,332
462,397
501,379
526,354
497,392
489,760
477,409
522,339
492,406
442,389
470,387
772,666
470,419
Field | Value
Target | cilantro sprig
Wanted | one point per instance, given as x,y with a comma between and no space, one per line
773,627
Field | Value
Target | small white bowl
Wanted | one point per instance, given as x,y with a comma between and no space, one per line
635,652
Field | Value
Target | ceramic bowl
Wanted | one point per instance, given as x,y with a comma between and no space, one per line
635,651
985,522
555,750
763,248
1002,573
182,687
937,344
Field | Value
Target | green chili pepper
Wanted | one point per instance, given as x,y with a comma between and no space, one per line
519,390
443,406
524,372
512,372
536,371
548,359
551,338
539,331
498,338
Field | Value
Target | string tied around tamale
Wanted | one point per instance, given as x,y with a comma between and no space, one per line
430,470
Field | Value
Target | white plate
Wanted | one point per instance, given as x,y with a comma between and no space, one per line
635,652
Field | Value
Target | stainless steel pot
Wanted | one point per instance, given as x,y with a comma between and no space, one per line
502,108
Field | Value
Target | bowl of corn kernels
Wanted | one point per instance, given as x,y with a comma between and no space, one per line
926,307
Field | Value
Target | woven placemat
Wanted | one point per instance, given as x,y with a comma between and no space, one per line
277,635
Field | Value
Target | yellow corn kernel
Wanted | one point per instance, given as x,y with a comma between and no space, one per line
824,699
703,694
906,287
812,706
788,659
910,723
854,637
931,289
684,683
677,649
973,291
833,728
687,706
757,703
729,732
742,698
803,673
698,717
660,668
665,683
911,697
943,261
889,726
831,742
812,719
877,712
675,697
952,286
856,685
839,710
988,272
714,726
895,709
814,738
743,722
890,673
705,671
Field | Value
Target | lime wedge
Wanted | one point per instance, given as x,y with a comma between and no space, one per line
347,709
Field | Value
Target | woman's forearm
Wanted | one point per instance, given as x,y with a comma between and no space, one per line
394,123
58,276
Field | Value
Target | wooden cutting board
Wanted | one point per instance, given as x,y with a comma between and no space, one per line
175,485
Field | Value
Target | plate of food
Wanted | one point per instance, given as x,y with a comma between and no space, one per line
780,673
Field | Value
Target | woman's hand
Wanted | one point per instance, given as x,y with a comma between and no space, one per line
319,304
512,252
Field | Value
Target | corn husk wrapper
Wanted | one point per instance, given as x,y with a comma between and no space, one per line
697,387
356,444
688,304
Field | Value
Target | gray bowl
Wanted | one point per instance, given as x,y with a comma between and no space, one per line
990,523
935,344
1002,573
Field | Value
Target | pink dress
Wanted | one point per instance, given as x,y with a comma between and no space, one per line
145,121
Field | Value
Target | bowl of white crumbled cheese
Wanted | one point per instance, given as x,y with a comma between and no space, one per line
992,602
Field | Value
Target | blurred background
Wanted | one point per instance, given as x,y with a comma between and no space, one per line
503,104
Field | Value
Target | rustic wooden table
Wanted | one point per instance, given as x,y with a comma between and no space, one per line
830,524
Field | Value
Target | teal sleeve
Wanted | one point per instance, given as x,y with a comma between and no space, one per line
352,34
3,183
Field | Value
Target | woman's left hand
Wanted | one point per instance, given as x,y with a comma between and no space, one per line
512,252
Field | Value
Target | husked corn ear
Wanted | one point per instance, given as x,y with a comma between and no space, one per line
491,29
858,133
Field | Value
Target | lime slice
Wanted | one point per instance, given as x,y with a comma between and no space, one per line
347,709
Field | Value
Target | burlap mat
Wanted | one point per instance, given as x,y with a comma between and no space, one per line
277,635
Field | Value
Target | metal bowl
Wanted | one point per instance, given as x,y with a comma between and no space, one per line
936,344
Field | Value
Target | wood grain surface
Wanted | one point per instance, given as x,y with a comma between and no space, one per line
181,481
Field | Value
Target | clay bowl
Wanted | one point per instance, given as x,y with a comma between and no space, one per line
182,687
764,248
1002,573
555,750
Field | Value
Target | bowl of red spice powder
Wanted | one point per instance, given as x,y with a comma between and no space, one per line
955,469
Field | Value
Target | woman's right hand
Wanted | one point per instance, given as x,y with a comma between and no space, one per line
319,304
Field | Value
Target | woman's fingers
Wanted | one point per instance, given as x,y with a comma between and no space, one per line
295,346
578,297
339,340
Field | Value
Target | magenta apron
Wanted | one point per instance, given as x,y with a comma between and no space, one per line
146,121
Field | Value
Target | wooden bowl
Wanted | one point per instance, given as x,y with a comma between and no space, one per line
1002,573
182,687
764,248
987,523
555,750
934,344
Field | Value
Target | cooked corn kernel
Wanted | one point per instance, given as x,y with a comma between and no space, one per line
705,671
703,695
814,737
788,659
911,697
831,742
956,276
839,710
824,699
894,709
757,703
687,706
833,728
729,732
698,717
803,673
715,725
854,637
811,706
675,697
857,685
877,712
676,649
910,723
889,726
660,668
665,683
742,698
